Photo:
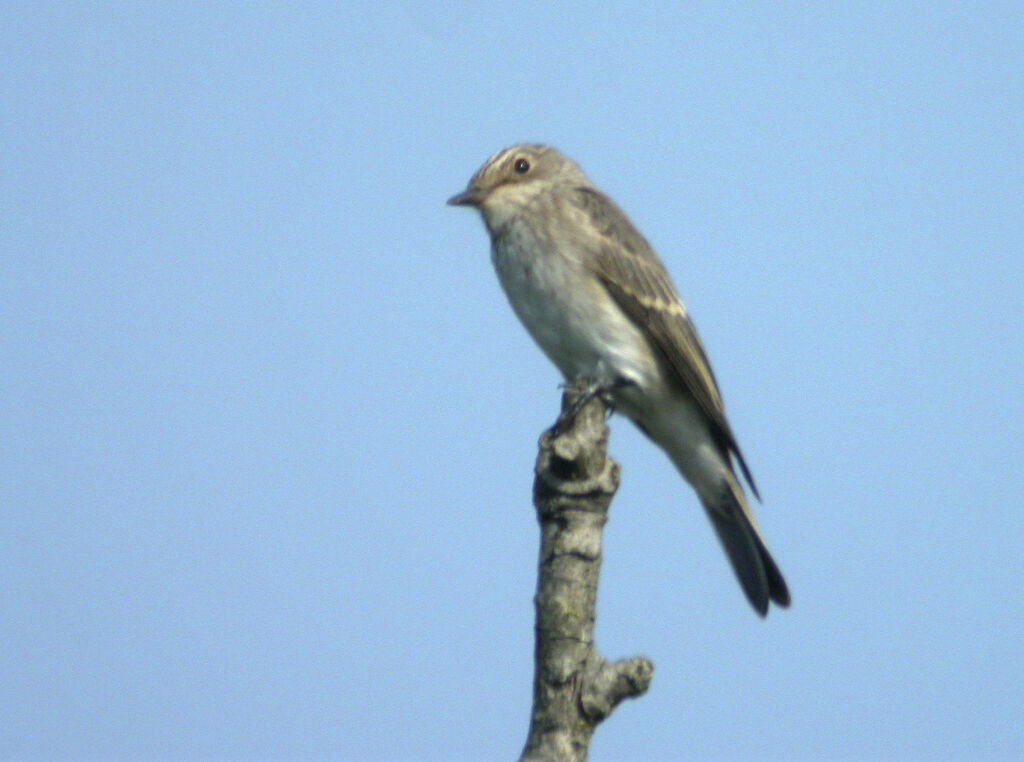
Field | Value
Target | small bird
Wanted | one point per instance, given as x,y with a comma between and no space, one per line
593,294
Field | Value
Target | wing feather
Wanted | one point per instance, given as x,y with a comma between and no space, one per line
638,282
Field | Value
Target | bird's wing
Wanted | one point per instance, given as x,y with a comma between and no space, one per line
638,282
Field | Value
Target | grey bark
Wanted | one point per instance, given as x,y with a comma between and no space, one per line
574,687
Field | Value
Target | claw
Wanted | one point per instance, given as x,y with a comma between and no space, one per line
586,389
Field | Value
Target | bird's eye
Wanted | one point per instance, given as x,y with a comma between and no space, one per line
522,166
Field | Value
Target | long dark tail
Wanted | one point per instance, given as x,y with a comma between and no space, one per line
754,566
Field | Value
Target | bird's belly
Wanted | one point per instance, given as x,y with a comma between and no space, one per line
573,319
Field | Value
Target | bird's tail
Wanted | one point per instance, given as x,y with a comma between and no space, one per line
755,568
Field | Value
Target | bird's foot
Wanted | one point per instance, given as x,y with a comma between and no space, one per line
580,392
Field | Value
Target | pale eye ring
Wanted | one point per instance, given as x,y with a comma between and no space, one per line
522,166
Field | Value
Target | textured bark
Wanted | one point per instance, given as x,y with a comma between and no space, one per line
574,687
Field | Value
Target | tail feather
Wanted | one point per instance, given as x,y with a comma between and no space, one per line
754,566
708,469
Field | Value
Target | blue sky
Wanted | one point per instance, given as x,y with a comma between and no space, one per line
267,424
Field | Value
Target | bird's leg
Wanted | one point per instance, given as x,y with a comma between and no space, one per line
585,389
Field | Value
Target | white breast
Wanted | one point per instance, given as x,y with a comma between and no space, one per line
567,310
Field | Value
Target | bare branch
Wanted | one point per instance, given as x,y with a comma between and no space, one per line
574,687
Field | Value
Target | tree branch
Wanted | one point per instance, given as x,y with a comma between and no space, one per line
574,687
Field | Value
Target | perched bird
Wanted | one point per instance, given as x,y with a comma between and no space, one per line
593,294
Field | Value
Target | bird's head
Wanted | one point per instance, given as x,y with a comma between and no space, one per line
515,176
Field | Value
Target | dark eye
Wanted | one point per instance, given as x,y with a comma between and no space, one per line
522,166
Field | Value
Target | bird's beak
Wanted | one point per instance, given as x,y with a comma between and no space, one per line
469,197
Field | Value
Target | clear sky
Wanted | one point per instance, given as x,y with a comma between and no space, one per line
267,423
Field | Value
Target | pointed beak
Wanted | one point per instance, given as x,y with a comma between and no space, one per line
469,197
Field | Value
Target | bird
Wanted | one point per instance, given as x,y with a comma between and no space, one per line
593,294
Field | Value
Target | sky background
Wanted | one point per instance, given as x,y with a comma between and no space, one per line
267,424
